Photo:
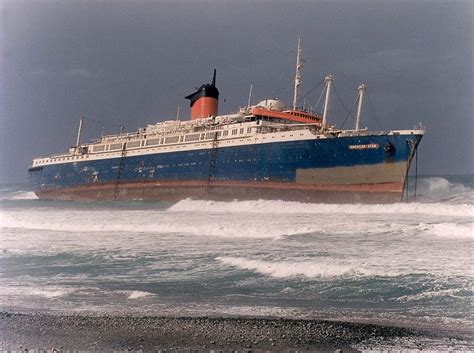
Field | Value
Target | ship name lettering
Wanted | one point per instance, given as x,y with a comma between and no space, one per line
364,147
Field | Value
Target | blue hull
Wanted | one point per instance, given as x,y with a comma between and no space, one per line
376,163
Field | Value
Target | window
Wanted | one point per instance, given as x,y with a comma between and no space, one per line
98,148
241,130
212,135
234,132
115,146
133,144
225,133
172,139
249,130
194,137
152,142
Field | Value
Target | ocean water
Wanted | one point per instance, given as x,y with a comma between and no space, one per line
407,264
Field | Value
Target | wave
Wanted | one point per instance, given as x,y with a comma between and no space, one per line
235,225
427,295
283,269
44,292
290,207
137,294
150,222
452,230
458,190
18,195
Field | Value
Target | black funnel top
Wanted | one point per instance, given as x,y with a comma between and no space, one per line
206,90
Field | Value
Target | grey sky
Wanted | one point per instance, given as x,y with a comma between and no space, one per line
131,63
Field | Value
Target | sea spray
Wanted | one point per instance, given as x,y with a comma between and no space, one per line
406,263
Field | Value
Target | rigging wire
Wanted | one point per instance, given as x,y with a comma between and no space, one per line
350,111
319,99
339,97
313,88
416,169
371,107
278,84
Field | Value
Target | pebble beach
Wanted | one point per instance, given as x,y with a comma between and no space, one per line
49,332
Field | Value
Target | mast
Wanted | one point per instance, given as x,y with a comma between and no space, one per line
328,79
299,66
359,106
79,133
250,96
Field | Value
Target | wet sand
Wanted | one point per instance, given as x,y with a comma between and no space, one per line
39,331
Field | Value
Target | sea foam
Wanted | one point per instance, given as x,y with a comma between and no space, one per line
288,207
19,195
452,230
282,269
137,294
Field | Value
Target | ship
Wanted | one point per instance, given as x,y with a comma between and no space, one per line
262,151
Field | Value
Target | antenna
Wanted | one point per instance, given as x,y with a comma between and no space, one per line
250,96
299,66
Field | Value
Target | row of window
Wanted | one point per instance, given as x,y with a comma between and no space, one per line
169,140
151,142
60,159
306,116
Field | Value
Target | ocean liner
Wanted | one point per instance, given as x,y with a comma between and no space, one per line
267,151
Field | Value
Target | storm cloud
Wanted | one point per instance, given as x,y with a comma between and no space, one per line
131,63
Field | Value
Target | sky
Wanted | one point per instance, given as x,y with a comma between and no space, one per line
130,63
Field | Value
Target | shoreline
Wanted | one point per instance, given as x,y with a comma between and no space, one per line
41,331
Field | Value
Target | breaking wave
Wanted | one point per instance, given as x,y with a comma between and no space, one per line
267,206
443,293
439,189
452,230
137,294
283,269
148,222
18,195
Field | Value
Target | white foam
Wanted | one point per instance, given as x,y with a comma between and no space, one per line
47,293
293,269
151,222
453,293
452,230
44,292
287,207
137,294
434,185
19,195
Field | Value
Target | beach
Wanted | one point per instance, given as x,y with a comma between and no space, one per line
242,275
37,331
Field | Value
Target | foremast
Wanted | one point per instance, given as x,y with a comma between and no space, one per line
299,66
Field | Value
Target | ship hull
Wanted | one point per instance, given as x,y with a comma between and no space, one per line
369,169
229,191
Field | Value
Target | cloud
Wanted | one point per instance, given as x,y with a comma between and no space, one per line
79,72
38,73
